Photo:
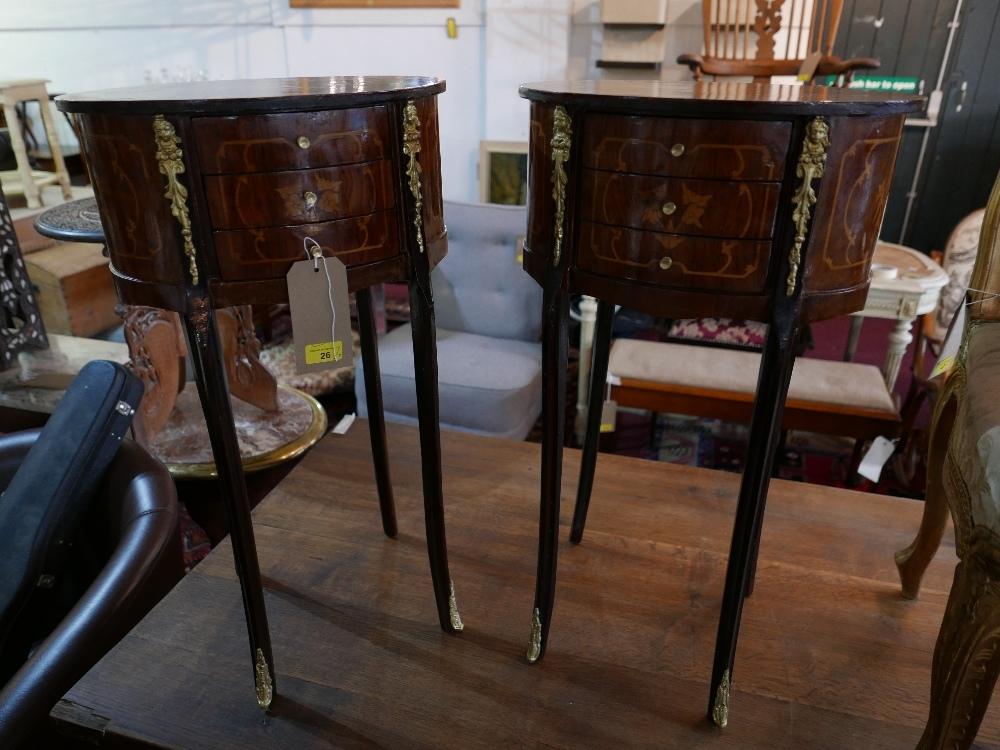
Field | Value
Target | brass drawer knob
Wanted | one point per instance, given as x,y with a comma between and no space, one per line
665,262
310,198
303,142
677,149
669,207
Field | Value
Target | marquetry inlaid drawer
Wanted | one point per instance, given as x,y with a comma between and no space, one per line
674,260
291,140
706,208
265,253
679,147
267,199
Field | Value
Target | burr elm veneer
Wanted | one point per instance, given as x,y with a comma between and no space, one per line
207,192
689,200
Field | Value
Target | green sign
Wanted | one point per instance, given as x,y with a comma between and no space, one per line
885,84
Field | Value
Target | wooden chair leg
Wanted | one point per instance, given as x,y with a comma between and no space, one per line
913,561
555,347
595,405
967,654
376,413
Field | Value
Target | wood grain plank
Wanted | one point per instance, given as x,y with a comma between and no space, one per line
831,656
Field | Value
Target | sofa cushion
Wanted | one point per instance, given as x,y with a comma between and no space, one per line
480,287
817,380
488,386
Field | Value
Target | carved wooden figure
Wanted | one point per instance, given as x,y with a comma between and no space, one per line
207,191
698,199
21,324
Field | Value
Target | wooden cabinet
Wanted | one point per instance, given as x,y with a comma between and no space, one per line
207,192
698,199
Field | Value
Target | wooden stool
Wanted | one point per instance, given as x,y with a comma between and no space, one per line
31,182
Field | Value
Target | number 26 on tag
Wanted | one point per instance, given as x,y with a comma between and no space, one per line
328,351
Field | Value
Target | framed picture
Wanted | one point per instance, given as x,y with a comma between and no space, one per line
503,172
373,3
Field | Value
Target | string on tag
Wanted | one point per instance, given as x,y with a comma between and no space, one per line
988,296
315,253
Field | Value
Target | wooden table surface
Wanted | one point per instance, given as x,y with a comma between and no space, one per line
831,656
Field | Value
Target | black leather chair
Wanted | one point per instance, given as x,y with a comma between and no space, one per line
132,530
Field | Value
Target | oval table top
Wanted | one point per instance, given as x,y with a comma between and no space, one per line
721,98
251,95
74,221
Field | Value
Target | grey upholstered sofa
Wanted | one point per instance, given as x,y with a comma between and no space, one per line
488,323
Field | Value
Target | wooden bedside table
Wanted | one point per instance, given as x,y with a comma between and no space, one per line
207,191
700,199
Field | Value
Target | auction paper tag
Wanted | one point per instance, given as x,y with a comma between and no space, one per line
809,65
321,315
608,414
943,365
878,453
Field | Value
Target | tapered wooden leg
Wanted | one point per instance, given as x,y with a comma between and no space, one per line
765,428
555,345
425,374
755,547
595,405
376,415
967,654
913,561
210,375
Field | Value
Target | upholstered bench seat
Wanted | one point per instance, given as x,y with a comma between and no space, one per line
658,376
487,385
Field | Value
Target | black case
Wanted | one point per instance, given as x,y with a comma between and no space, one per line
43,504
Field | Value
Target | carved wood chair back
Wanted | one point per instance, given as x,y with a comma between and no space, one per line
765,38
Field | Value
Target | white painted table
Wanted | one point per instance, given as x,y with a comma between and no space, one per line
911,288
905,283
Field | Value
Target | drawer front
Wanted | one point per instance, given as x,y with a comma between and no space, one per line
706,208
293,140
248,254
673,260
719,149
309,196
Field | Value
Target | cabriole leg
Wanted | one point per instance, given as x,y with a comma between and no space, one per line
765,430
425,374
592,435
210,375
555,346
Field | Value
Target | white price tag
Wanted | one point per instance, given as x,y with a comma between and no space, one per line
878,453
344,424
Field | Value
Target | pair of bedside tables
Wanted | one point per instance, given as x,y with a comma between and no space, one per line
694,199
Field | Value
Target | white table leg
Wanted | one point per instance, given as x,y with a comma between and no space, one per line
588,316
31,191
45,108
899,340
852,337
